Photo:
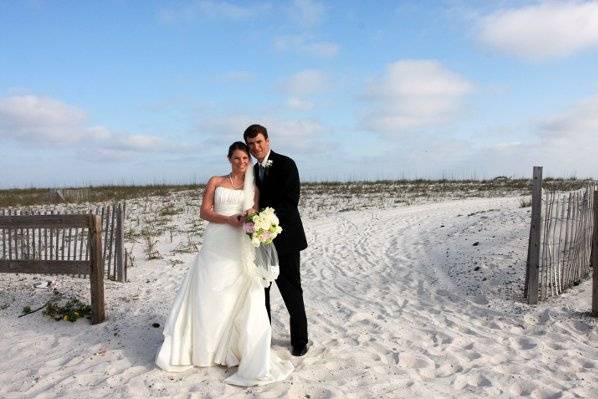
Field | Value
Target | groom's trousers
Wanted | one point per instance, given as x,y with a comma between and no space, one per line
289,285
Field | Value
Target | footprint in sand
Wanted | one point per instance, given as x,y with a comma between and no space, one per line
472,379
518,389
441,339
59,361
414,361
523,343
447,369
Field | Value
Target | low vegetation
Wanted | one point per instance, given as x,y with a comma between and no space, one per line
59,308
40,196
415,187
72,310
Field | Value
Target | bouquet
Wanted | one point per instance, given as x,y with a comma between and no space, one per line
262,227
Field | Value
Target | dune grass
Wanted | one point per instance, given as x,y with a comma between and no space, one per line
415,187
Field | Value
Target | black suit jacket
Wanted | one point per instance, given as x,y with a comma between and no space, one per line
280,189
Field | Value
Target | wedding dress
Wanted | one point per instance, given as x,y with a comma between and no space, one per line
219,315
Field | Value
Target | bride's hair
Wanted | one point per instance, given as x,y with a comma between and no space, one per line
238,145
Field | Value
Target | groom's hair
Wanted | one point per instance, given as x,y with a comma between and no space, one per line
253,131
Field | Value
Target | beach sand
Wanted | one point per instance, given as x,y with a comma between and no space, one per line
400,303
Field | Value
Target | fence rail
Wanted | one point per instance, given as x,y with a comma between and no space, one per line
37,241
19,261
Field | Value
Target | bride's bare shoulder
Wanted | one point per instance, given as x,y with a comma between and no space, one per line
215,181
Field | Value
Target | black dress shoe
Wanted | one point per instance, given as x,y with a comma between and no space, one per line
299,350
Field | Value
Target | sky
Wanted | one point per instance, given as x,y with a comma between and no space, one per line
153,92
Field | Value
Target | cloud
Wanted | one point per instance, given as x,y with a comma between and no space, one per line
578,121
300,104
33,118
306,12
411,94
219,131
306,44
306,82
190,12
564,144
569,140
303,84
39,122
294,135
542,31
139,143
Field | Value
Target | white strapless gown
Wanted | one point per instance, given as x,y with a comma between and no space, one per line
219,315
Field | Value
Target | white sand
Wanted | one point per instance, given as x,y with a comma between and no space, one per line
395,308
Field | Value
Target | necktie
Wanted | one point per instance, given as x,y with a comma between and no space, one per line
261,171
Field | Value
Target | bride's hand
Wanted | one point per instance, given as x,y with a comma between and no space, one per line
249,211
236,220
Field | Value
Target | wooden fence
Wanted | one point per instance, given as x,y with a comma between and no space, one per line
49,261
560,240
67,244
595,258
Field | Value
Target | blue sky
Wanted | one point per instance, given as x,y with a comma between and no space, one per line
151,92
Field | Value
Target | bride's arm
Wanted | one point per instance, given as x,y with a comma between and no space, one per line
207,206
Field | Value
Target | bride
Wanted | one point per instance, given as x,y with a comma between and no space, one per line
219,316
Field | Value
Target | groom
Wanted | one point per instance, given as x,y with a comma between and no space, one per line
277,179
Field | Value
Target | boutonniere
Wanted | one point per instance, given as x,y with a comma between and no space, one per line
268,164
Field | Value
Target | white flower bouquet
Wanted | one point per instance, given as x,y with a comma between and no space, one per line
262,227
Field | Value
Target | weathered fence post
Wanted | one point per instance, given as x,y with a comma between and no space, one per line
533,254
96,273
118,244
594,258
